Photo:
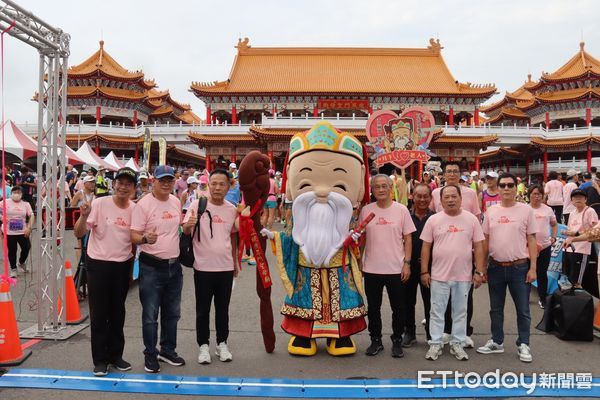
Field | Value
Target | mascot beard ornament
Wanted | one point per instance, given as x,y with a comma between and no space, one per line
326,178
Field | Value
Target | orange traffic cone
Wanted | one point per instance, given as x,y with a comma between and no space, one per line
73,312
10,345
597,317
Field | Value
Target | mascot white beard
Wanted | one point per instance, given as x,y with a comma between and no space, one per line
320,228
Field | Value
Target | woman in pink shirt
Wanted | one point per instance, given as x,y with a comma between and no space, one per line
109,257
553,191
19,220
545,221
269,208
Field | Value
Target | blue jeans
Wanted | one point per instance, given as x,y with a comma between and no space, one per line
160,289
441,292
514,277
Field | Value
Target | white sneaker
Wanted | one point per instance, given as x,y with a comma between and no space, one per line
435,350
525,353
491,347
446,337
13,273
223,352
457,351
23,268
468,343
204,356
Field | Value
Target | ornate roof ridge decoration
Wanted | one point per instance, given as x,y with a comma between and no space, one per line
206,139
521,94
89,91
563,142
503,151
582,64
332,70
466,140
569,94
107,138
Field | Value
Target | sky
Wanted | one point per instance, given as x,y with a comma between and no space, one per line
177,42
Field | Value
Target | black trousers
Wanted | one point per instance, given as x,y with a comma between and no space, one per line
557,212
410,300
374,284
108,283
565,218
543,260
24,244
211,285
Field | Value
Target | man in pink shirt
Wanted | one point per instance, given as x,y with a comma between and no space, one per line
181,183
451,270
553,190
155,228
510,232
109,257
572,184
386,261
215,263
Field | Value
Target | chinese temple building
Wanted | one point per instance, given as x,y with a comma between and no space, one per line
564,100
287,83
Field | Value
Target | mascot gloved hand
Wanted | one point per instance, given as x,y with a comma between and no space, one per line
326,177
253,176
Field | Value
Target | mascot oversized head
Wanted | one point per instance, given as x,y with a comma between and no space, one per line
326,177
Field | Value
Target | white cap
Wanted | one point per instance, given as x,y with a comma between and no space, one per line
474,173
191,180
143,175
89,178
232,165
492,174
572,172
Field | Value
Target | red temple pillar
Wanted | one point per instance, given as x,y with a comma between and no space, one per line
451,116
272,158
527,166
97,115
545,165
420,171
412,171
588,116
547,120
315,112
208,115
136,155
477,164
507,166
589,156
134,118
207,162
274,110
450,157
469,120
234,157
234,116
97,148
476,116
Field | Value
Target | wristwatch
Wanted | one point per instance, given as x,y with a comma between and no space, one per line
481,274
407,262
144,239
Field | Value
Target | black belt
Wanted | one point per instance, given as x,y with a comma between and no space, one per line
153,261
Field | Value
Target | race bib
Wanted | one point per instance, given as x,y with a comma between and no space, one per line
16,224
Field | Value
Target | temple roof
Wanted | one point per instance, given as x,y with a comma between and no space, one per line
502,152
564,142
579,65
203,140
90,91
102,62
522,95
421,71
568,95
287,133
477,141
507,113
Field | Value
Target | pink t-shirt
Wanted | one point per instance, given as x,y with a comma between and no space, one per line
110,235
568,207
272,190
384,247
544,217
580,221
180,186
165,217
79,185
214,254
508,228
470,201
452,238
16,216
554,190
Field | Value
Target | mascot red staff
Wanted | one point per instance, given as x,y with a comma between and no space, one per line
326,177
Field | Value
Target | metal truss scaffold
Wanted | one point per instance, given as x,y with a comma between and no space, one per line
53,48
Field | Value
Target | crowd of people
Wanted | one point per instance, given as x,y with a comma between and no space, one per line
450,233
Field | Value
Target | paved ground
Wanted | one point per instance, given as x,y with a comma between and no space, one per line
250,359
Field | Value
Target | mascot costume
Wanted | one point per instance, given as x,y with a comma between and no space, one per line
326,177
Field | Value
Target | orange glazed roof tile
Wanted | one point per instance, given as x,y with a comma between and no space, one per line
103,62
502,151
203,139
289,132
509,113
188,117
173,148
563,143
466,140
341,70
522,94
580,64
571,94
87,91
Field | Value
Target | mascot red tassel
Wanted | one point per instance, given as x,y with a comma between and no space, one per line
326,177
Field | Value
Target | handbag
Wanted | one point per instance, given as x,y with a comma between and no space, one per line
186,248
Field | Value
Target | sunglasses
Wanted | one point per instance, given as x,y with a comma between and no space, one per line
506,185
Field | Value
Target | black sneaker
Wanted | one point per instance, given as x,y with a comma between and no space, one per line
121,365
151,364
375,347
172,359
101,369
408,340
397,348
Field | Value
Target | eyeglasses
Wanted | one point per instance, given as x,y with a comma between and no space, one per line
166,181
453,171
506,185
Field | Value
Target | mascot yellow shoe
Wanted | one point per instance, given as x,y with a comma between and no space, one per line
341,347
295,346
